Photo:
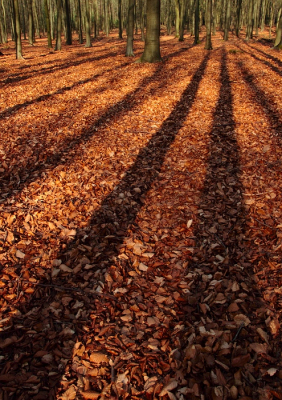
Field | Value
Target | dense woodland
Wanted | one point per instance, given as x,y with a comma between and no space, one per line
39,18
140,200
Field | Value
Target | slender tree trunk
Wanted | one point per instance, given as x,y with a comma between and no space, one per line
227,19
263,11
181,20
30,23
250,25
197,21
177,17
35,20
142,20
238,17
152,51
168,17
271,19
278,40
119,20
19,55
87,25
68,23
208,45
80,22
22,20
256,16
130,29
4,31
59,26
47,16
106,18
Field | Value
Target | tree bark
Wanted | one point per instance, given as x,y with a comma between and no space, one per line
181,20
263,10
79,22
130,29
68,23
208,45
119,20
152,51
177,17
4,30
30,23
227,19
250,24
197,22
59,26
87,25
238,17
48,25
19,55
106,18
278,40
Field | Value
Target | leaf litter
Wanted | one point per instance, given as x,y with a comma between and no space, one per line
140,226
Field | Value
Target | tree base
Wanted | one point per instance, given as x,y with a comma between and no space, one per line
143,60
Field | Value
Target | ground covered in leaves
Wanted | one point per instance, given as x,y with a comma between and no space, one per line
141,222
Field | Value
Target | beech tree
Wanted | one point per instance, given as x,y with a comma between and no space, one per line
152,52
208,45
278,40
130,29
18,41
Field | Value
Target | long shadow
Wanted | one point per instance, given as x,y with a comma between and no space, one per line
42,161
107,229
271,113
20,77
17,107
221,224
276,60
52,69
267,63
222,252
78,54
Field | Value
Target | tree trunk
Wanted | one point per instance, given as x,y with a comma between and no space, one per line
59,26
119,20
22,20
30,23
19,55
35,20
68,23
263,10
152,51
238,17
227,19
208,45
4,31
177,17
142,20
106,18
79,22
271,19
130,29
278,40
48,25
87,25
181,20
168,18
250,24
197,21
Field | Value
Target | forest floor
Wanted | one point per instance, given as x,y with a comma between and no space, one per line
141,222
